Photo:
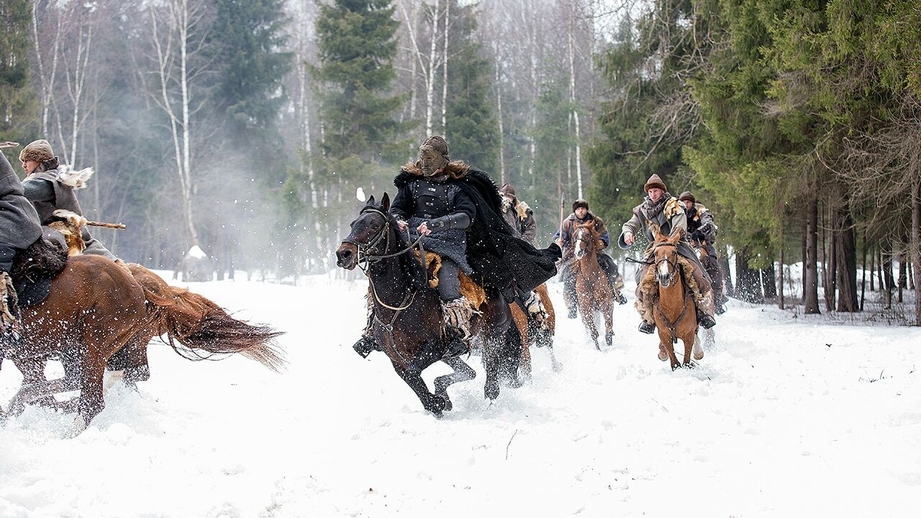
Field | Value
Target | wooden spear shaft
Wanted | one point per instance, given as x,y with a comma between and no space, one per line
120,226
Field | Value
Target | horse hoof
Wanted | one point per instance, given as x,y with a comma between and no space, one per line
663,354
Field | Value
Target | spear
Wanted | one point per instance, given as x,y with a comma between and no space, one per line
120,226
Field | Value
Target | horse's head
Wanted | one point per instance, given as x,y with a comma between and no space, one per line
665,257
370,234
585,240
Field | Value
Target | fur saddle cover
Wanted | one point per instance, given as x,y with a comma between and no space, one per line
474,293
34,267
649,287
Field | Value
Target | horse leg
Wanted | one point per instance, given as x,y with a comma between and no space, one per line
521,324
33,372
608,310
412,375
697,350
689,341
588,318
665,341
462,372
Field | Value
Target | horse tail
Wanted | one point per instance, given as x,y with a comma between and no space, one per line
198,329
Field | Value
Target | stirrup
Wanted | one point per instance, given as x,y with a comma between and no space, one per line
646,327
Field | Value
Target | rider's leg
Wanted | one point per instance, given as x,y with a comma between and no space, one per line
644,301
703,298
366,344
712,265
10,324
455,308
569,291
614,279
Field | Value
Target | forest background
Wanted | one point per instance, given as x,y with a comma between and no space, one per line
247,127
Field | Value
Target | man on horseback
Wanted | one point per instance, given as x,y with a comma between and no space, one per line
19,228
702,231
49,189
564,236
454,210
662,214
520,218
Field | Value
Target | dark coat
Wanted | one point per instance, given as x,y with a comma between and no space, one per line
501,262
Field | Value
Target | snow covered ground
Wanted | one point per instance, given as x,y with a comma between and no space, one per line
787,415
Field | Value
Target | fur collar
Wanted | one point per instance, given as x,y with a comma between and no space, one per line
455,170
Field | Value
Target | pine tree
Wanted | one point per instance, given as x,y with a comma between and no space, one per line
17,98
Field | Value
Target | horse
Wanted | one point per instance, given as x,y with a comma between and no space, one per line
406,310
674,308
531,332
592,286
97,307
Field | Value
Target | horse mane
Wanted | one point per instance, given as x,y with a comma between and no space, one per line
412,268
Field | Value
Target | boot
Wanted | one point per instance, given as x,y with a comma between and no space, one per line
572,313
536,310
457,313
365,346
620,298
706,321
646,327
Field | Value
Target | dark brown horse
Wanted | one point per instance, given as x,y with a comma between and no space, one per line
96,308
675,311
407,316
592,286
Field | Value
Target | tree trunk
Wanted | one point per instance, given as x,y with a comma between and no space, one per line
749,284
916,242
846,261
810,272
769,282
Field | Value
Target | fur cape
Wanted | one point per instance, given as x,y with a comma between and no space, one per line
501,262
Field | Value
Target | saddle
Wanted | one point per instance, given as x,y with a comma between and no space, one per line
475,293
35,267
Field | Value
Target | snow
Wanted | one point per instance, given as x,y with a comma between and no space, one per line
787,415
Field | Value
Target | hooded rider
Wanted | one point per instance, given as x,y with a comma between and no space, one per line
662,214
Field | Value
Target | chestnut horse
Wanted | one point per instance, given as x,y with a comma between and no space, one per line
406,313
95,308
675,311
532,332
592,286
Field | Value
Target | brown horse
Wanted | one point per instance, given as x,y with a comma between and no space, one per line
95,308
531,332
592,286
407,315
675,311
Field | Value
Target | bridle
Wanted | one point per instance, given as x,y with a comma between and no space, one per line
673,264
370,253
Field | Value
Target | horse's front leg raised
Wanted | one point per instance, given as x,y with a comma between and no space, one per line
462,372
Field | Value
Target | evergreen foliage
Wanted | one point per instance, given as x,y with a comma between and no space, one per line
18,113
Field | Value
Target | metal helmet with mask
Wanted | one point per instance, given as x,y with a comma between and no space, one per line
433,156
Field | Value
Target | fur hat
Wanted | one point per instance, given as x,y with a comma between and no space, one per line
686,195
37,150
508,190
579,203
654,181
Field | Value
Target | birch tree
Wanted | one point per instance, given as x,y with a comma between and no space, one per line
178,29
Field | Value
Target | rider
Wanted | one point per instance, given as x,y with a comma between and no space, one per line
443,202
49,189
563,236
662,214
520,218
702,231
19,228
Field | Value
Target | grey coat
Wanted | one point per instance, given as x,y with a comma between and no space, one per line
19,223
47,193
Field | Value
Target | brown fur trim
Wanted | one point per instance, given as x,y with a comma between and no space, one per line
522,210
475,293
456,169
673,207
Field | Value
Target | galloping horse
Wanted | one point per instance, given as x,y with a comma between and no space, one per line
592,286
96,308
531,332
675,311
407,315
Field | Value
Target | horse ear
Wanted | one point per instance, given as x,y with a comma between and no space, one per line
385,202
370,201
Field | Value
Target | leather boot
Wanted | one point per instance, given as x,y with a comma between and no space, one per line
646,327
365,346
